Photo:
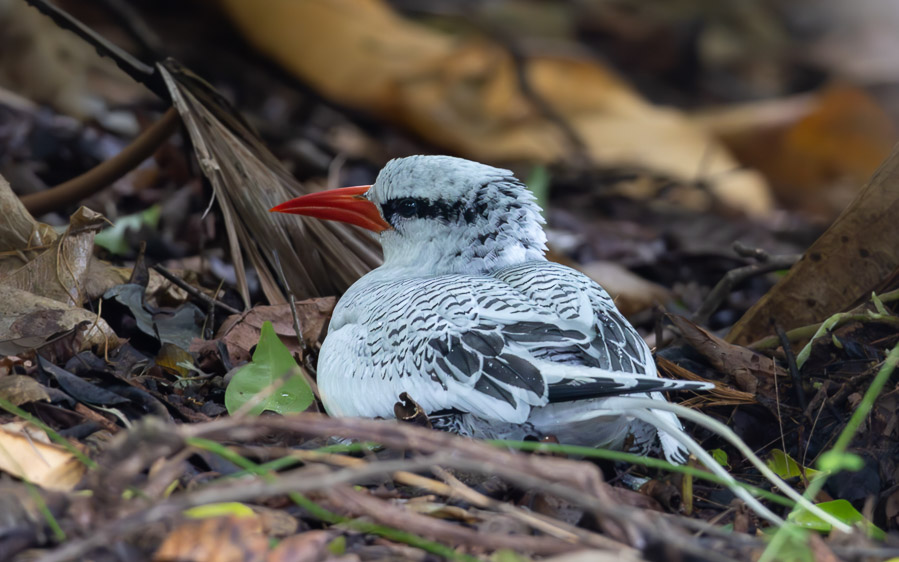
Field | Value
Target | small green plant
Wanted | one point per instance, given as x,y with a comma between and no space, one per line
212,510
720,456
115,238
842,510
786,467
272,363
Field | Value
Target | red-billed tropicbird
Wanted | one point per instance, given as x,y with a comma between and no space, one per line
468,317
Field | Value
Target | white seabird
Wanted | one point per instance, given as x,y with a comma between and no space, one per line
469,319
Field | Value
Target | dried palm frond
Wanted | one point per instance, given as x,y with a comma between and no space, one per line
317,257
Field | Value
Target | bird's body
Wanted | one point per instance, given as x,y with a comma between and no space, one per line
484,346
469,319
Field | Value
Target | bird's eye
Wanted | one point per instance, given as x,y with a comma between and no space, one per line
407,208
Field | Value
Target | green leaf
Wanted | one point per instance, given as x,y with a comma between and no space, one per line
720,456
840,509
271,361
113,238
784,466
507,555
337,547
211,510
832,461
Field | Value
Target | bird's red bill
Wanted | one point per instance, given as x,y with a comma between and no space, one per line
347,204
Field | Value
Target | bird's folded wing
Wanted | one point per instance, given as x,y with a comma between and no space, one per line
579,304
498,346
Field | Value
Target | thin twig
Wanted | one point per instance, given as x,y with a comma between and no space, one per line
811,432
291,299
736,276
794,369
308,370
578,483
105,173
193,291
780,422
397,517
744,251
535,520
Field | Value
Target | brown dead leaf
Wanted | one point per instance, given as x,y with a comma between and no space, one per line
820,550
102,276
665,493
223,539
59,271
20,389
29,455
818,151
742,516
33,258
29,321
276,522
854,257
8,362
240,332
19,232
464,95
633,498
753,372
304,547
721,395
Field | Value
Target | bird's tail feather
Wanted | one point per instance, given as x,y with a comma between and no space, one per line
578,382
648,411
679,436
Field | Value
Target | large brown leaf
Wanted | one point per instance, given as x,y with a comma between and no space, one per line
465,94
857,255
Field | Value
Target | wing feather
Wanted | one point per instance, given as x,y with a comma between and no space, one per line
494,346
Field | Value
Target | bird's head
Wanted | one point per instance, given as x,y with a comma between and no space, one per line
438,214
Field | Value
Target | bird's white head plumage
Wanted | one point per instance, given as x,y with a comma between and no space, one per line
449,215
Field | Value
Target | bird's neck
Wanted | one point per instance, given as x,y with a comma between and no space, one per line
470,252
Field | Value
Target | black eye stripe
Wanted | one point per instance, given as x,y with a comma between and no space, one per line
422,208
400,208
